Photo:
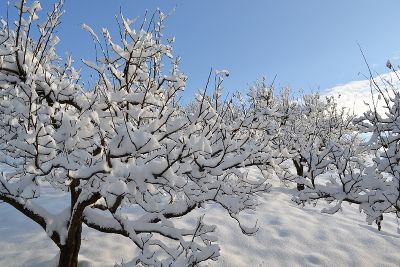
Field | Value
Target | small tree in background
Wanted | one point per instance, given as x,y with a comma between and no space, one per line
362,173
131,159
310,126
303,126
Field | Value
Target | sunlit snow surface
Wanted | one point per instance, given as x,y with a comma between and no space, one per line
289,235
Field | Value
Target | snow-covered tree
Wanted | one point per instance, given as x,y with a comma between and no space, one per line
308,127
365,174
132,160
303,125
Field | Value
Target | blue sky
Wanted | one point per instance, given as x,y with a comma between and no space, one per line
308,44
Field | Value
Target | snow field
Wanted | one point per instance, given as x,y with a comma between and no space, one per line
288,235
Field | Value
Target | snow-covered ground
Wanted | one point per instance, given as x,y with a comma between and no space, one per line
289,235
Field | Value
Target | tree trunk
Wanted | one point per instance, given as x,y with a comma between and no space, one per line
70,250
299,171
379,222
300,187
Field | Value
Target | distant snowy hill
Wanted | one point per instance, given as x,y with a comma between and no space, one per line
357,94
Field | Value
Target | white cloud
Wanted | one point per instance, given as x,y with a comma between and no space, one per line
357,97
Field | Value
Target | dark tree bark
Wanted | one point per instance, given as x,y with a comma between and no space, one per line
70,250
299,171
379,222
